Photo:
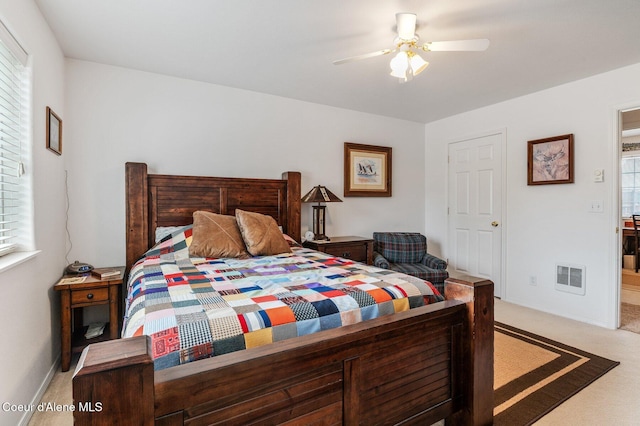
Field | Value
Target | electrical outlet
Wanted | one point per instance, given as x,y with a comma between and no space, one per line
533,280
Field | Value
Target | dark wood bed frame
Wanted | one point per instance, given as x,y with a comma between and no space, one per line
416,367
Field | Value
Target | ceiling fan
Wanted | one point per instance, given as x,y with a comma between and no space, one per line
408,63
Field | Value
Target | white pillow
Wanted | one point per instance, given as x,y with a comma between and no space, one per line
163,231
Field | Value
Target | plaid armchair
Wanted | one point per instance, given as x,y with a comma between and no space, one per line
406,252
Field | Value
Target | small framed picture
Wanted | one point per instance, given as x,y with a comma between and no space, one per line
54,132
550,160
367,170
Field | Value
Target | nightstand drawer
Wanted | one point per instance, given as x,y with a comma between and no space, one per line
358,249
357,252
89,296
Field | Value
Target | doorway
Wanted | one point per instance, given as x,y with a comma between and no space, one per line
475,199
629,155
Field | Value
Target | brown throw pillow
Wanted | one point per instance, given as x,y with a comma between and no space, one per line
216,235
261,234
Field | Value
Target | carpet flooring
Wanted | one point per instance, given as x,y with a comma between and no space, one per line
533,374
630,317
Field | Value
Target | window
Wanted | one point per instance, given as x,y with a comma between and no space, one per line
13,107
630,185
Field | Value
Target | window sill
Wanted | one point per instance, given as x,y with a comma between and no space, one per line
14,259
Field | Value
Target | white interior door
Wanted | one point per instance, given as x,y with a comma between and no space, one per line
475,207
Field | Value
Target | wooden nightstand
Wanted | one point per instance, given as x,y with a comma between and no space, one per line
91,292
355,248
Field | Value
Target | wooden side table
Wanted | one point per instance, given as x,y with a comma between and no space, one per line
91,292
359,249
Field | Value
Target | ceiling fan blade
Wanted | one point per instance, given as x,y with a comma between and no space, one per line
476,45
406,25
364,56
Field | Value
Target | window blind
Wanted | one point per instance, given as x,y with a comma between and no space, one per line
12,137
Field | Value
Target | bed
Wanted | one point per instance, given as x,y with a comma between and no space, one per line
417,366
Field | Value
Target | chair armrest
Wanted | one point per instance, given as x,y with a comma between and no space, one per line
380,261
433,262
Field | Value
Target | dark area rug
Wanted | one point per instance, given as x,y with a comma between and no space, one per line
533,374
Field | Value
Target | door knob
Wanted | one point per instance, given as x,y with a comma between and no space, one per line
494,224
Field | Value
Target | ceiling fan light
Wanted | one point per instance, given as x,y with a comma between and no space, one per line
399,63
418,64
399,74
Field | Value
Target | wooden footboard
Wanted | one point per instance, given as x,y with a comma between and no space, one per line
415,367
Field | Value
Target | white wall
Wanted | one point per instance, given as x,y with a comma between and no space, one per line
29,309
550,223
178,126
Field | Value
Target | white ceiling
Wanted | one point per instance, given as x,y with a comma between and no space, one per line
286,47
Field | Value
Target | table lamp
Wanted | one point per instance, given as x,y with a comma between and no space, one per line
319,194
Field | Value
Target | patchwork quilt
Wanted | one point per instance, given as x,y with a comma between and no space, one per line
195,308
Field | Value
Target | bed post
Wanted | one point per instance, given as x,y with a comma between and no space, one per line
113,383
477,380
137,204
294,204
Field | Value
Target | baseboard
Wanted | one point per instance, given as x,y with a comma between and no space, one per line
24,421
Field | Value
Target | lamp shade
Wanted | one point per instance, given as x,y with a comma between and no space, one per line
399,65
320,194
418,64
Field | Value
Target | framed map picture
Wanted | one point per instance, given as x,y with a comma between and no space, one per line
367,170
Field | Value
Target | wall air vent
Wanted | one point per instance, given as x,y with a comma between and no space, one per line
570,278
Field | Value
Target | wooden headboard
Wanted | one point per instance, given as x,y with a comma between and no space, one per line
168,200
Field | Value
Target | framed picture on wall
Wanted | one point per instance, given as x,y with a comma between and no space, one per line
550,160
367,170
54,132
